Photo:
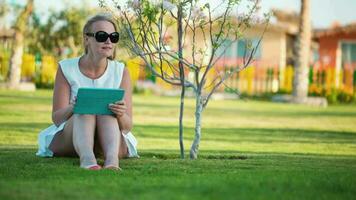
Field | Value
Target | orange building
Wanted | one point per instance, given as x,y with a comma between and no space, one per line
337,49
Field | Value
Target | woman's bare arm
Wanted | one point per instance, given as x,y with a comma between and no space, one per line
61,109
125,120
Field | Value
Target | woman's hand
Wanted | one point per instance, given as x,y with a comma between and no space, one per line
118,108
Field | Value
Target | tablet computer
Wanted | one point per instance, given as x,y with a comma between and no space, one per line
96,100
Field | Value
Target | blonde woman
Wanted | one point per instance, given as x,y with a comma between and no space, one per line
87,136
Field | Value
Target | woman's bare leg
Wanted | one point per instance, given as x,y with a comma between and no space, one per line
123,151
83,138
62,143
109,138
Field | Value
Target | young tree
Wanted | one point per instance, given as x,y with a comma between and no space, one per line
300,83
200,31
18,45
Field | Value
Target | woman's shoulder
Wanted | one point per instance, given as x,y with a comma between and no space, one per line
68,66
118,63
69,62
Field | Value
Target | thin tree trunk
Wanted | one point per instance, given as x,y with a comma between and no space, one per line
198,114
16,61
17,49
300,83
182,79
181,112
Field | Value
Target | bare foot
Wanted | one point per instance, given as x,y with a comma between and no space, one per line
92,167
112,163
112,167
87,163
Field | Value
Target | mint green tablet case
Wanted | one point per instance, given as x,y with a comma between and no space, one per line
96,100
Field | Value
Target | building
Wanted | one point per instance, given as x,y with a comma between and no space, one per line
337,49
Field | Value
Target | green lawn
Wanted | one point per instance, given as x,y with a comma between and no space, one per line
249,150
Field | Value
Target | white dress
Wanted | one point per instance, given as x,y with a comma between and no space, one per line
110,79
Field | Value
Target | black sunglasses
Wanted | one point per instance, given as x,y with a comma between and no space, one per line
102,36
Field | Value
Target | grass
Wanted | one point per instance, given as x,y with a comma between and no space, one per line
249,150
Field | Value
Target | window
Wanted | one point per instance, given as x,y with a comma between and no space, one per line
247,45
226,46
237,49
348,52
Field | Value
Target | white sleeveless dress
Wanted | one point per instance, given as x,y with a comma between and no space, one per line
110,79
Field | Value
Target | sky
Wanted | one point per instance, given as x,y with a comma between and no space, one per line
323,12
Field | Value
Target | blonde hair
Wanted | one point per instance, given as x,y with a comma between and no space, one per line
88,26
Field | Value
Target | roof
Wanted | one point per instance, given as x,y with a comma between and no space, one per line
350,28
6,33
286,16
278,26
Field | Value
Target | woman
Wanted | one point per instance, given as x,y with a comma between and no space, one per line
88,135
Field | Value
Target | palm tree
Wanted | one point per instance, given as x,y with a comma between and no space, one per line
17,49
300,81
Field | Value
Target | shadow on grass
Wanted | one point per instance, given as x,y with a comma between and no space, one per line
281,112
155,106
255,112
28,151
27,127
234,155
231,135
260,135
21,99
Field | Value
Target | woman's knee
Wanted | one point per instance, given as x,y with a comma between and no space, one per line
81,117
107,123
83,122
106,119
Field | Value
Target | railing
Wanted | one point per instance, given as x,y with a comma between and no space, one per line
254,80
